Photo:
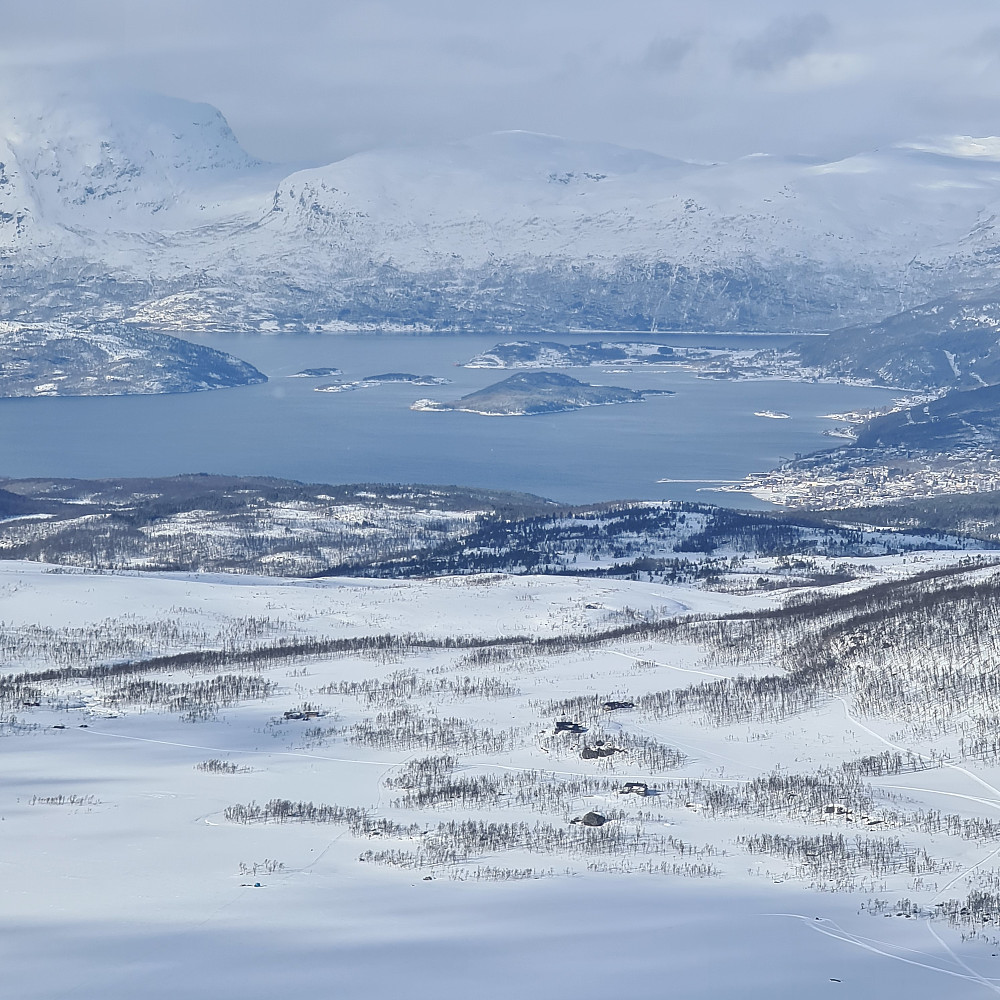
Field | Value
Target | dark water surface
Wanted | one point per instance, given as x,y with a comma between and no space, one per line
707,431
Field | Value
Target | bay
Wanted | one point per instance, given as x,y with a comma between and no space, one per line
706,432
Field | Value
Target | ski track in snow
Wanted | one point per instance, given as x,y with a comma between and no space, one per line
829,928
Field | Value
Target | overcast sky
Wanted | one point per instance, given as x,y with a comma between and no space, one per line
314,80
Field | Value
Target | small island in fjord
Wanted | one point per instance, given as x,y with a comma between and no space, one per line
386,379
531,393
327,372
549,354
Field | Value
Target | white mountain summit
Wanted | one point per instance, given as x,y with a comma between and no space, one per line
509,230
136,164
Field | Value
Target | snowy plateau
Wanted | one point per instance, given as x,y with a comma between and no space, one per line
148,211
492,785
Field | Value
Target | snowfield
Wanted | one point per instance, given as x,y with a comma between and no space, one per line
397,817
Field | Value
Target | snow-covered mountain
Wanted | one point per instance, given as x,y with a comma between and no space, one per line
148,210
137,165
517,195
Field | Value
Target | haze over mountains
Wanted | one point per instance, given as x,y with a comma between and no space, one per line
148,210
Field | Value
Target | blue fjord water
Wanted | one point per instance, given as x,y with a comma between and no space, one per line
707,431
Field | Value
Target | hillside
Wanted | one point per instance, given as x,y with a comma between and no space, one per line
281,528
539,392
952,341
960,419
110,360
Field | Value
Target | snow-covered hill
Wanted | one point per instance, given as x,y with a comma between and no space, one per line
512,230
518,195
275,527
110,360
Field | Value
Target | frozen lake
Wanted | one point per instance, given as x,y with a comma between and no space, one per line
706,432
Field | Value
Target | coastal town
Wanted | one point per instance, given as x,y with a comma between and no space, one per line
834,480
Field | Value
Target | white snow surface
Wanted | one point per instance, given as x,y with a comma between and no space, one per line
79,169
158,186
514,194
130,886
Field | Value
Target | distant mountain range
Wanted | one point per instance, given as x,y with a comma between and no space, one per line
147,211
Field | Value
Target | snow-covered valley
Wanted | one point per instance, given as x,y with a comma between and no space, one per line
287,811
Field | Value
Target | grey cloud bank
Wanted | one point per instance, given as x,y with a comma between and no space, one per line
313,81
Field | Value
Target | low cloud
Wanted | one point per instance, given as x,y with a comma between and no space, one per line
665,55
782,41
987,44
318,80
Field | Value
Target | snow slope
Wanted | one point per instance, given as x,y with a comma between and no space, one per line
125,876
514,195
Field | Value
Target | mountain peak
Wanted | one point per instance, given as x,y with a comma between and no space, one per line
120,162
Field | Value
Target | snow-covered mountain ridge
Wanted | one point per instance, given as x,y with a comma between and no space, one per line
149,210
515,194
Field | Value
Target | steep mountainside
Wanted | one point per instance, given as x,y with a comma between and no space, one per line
86,168
149,211
961,419
950,341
